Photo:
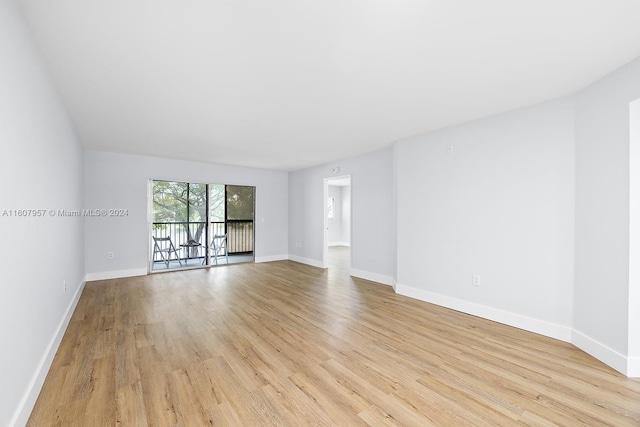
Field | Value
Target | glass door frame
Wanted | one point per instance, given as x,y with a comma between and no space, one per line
209,228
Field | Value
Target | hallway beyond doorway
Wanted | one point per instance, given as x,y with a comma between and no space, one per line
340,259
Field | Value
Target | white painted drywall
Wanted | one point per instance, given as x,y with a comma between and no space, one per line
339,227
345,216
499,204
601,297
371,213
335,223
634,239
119,181
40,168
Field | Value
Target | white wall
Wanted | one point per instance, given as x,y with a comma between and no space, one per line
339,227
119,181
371,214
602,298
345,216
501,206
634,242
335,223
40,168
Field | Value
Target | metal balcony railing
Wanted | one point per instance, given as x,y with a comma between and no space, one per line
239,235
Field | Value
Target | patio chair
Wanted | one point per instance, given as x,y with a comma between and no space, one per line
219,248
162,246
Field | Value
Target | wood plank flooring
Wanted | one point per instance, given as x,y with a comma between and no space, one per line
284,344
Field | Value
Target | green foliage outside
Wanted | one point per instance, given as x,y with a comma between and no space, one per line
183,203
240,202
216,202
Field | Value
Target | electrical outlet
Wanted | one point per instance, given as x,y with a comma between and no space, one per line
110,255
371,257
450,149
476,280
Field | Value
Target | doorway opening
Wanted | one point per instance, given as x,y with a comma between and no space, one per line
337,235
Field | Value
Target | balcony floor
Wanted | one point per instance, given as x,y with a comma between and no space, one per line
197,262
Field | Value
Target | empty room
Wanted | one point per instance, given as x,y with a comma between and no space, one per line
245,213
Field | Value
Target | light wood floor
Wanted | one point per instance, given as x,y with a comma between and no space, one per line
282,343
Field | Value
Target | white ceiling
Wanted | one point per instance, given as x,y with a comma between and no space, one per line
287,84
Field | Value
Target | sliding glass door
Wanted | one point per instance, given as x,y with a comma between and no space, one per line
178,232
195,224
239,219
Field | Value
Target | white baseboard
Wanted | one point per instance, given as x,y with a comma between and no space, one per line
605,354
105,275
308,261
339,244
538,326
633,367
271,258
28,401
629,366
374,277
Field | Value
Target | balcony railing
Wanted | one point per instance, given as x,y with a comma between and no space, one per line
239,235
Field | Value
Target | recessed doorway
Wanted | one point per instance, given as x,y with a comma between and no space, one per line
337,236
